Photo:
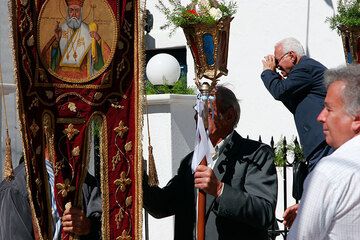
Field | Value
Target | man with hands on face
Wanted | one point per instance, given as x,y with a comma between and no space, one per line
241,183
299,86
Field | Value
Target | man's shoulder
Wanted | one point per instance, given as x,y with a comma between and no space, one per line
186,161
248,145
18,184
309,62
335,169
253,151
344,160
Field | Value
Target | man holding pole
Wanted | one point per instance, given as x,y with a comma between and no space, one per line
240,183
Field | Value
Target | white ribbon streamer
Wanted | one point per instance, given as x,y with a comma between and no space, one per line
203,145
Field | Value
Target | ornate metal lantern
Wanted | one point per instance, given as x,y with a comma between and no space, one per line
209,47
351,43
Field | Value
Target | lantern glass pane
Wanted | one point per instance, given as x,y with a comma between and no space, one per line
208,47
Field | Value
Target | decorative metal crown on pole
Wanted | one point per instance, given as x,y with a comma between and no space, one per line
209,48
351,43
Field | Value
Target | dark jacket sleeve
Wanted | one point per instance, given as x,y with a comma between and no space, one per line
15,215
166,201
299,79
256,203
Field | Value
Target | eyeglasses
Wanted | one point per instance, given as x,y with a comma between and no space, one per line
277,62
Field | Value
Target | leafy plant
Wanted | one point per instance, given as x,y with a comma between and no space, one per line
293,148
198,11
348,14
179,87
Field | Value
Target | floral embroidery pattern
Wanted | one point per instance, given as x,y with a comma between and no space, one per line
128,201
121,129
34,128
124,236
115,160
128,146
70,131
119,217
122,182
49,94
98,95
72,106
58,167
65,188
76,151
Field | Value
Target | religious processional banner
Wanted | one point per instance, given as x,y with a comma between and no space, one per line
76,62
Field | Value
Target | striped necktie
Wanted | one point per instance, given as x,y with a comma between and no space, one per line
54,212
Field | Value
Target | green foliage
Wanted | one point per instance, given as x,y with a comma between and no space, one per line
96,128
197,12
291,149
229,9
348,15
297,151
179,87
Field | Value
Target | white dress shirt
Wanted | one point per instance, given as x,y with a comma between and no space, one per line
330,206
219,148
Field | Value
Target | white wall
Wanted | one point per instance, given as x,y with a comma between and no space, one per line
172,136
8,77
257,26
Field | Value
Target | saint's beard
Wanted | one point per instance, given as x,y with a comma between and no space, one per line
74,23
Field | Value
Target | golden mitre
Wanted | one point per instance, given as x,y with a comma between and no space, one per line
75,2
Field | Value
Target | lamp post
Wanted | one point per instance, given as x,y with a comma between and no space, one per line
160,70
163,69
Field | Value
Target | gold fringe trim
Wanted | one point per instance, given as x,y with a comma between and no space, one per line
8,167
139,66
104,176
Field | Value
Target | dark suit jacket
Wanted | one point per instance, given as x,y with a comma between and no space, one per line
303,93
244,210
15,213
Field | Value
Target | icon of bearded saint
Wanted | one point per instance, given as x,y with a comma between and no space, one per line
76,51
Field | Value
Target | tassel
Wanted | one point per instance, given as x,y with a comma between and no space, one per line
8,167
153,177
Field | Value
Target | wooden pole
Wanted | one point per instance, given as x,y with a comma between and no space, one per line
201,211
201,200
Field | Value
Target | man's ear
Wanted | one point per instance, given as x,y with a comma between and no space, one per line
230,115
294,57
356,124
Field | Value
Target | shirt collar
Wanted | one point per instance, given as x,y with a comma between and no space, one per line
219,148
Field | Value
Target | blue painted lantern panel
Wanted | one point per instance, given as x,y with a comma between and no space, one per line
208,47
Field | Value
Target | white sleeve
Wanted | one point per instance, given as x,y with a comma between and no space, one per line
317,208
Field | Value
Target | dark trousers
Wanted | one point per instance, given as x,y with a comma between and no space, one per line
302,168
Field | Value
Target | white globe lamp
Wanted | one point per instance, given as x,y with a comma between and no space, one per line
163,69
